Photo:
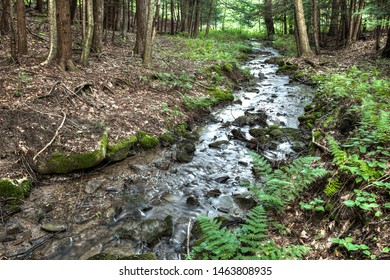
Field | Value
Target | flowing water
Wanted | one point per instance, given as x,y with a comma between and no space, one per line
120,209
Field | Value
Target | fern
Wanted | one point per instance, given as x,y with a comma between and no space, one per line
339,156
283,185
332,187
251,241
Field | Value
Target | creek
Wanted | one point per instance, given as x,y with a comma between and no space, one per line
149,202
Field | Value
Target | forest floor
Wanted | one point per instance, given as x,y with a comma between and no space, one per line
116,93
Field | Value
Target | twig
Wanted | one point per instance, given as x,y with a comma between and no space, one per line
319,145
51,90
52,140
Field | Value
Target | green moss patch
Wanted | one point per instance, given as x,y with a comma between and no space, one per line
120,149
62,164
14,192
222,95
147,141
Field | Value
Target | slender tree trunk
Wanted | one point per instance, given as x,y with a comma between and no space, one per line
303,38
334,18
209,18
316,27
53,32
386,50
125,25
98,13
141,16
172,17
185,16
352,9
147,57
358,21
88,39
64,55
197,19
22,33
268,18
4,23
14,52
83,18
39,6
73,9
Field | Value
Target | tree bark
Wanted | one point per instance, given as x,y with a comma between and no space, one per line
53,32
4,23
39,6
316,27
125,25
98,12
334,18
148,48
141,17
14,52
268,18
386,50
209,18
64,55
358,21
22,32
88,39
185,16
303,38
197,19
172,17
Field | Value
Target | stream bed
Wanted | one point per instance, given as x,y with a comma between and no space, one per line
149,202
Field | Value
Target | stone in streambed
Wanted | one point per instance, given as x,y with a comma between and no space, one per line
218,144
51,227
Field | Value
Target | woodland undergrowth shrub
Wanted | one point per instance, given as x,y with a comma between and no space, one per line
360,170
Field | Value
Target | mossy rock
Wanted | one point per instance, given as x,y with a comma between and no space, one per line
147,141
185,152
181,129
120,149
228,67
14,192
117,257
167,139
58,163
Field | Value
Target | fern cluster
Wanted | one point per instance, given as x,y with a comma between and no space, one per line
250,241
280,187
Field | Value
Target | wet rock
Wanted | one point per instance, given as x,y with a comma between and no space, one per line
238,101
245,203
185,152
192,201
238,134
52,227
276,132
93,185
258,132
149,231
298,146
253,89
13,228
241,121
222,179
163,164
112,189
218,144
261,76
214,193
223,210
122,256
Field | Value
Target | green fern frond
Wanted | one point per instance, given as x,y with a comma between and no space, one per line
332,187
339,156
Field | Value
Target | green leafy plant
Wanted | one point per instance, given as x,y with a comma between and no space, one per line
281,186
348,244
250,241
364,200
332,186
316,205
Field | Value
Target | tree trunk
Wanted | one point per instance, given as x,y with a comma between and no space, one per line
209,18
386,50
14,53
22,33
303,38
98,13
89,35
39,6
268,18
334,18
53,31
316,27
73,8
4,23
351,17
125,25
64,55
141,16
358,21
147,57
185,16
197,19
172,17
